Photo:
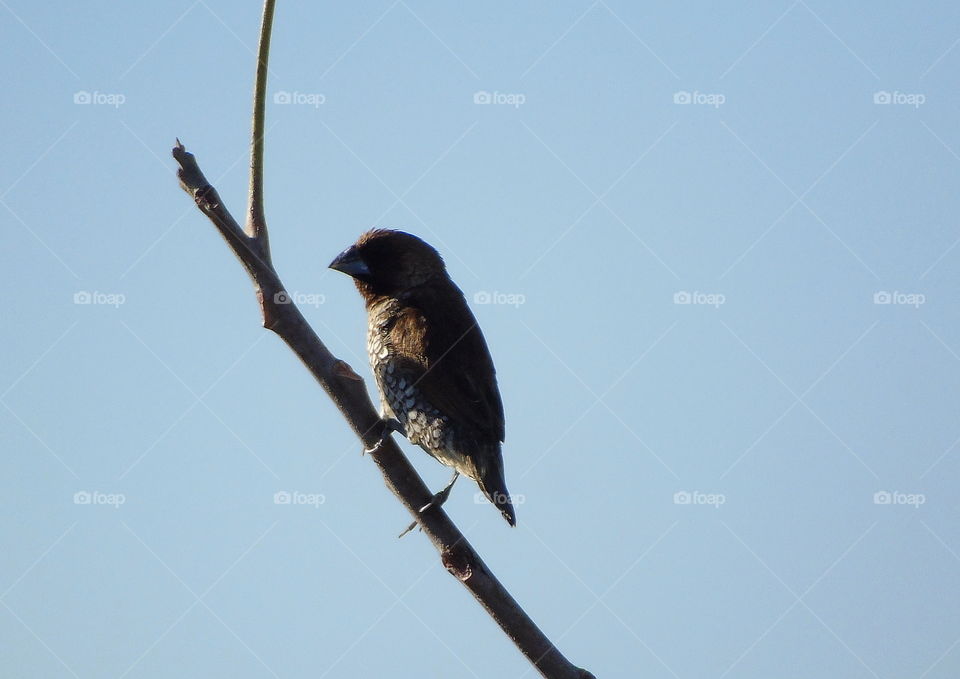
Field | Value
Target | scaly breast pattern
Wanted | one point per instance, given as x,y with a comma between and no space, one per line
399,398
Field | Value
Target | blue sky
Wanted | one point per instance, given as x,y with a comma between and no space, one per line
713,249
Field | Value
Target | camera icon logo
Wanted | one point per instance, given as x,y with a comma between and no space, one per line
281,97
882,497
882,97
481,297
481,97
81,497
281,497
82,97
882,297
682,497
281,297
681,297
682,97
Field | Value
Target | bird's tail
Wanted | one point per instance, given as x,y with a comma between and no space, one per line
495,488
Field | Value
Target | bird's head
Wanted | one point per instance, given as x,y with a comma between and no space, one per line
387,262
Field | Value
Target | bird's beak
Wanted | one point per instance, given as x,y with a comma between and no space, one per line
350,263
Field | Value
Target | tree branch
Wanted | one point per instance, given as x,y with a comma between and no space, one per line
348,392
256,226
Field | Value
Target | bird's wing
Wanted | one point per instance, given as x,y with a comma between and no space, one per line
446,356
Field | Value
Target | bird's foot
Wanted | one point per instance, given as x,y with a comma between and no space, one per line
390,425
437,501
408,529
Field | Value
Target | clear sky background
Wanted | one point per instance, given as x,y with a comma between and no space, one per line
761,482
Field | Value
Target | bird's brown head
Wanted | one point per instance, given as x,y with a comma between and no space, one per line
384,262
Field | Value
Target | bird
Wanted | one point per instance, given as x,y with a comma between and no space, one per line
429,358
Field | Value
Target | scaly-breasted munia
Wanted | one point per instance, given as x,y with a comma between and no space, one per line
429,358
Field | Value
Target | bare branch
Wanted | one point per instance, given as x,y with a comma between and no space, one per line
348,392
256,219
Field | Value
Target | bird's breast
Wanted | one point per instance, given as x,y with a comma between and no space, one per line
400,398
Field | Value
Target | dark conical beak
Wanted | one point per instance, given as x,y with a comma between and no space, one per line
351,263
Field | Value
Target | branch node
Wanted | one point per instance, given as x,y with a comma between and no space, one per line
206,197
343,370
457,563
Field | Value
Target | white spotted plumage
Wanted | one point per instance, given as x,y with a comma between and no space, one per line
423,424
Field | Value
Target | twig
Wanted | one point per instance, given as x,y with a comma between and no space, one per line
347,389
